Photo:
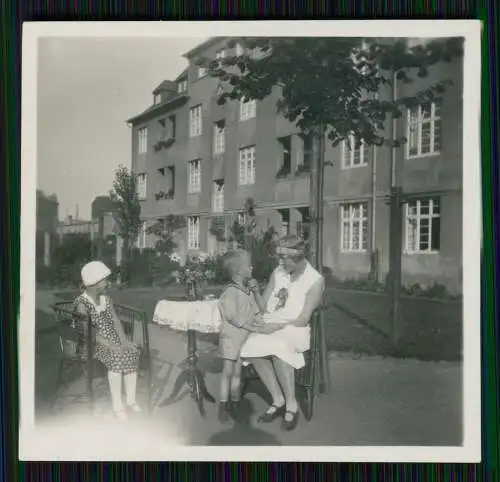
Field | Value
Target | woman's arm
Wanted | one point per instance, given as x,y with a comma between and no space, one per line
80,308
312,301
118,324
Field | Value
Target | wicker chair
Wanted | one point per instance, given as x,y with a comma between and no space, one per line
305,377
77,341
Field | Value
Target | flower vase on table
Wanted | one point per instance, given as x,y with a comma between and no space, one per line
195,271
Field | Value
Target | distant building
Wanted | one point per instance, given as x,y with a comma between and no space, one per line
202,160
72,225
47,215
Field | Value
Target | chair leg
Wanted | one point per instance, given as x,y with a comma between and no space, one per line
309,402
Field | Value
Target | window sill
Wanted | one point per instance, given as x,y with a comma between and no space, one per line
419,156
346,168
417,253
292,177
194,193
247,119
354,251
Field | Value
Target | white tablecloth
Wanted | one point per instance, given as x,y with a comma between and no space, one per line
202,316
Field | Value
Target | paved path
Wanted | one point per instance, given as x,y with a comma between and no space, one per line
373,401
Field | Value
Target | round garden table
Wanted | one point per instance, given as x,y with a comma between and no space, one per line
191,317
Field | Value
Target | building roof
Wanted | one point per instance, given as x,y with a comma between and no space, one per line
165,105
182,75
204,45
167,85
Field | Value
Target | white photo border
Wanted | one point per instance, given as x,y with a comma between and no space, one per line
35,445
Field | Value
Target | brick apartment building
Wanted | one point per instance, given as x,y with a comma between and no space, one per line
202,160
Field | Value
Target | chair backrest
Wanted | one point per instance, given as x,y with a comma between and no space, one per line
73,330
306,375
133,322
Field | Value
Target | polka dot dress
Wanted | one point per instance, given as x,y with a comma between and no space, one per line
125,361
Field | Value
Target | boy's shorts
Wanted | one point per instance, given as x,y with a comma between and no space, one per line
231,341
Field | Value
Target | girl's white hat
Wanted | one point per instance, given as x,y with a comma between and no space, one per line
94,272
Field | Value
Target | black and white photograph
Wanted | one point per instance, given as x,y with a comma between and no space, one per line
251,241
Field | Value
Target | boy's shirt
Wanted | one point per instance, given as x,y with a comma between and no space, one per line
238,307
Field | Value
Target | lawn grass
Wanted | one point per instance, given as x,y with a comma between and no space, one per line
357,322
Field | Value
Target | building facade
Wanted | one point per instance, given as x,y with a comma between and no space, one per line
202,160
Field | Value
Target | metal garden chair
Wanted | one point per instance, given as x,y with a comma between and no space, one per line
305,377
77,342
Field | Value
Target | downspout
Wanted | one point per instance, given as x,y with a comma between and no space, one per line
394,131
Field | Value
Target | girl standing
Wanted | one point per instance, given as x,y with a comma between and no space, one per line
112,348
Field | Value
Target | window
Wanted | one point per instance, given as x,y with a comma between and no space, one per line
422,226
142,186
194,176
167,182
219,137
286,156
202,72
220,54
142,145
248,109
353,155
242,219
247,165
354,227
218,196
307,160
157,99
182,86
193,232
424,129
303,224
141,242
239,50
285,222
195,121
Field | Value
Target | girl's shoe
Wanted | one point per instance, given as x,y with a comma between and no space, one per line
134,407
120,415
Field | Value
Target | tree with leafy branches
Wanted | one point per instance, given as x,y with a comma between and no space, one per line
329,86
165,229
127,213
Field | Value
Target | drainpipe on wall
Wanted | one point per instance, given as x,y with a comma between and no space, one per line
394,131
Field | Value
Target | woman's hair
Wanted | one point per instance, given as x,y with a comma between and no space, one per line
231,261
293,243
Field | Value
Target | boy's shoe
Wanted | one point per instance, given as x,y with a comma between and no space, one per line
224,413
235,409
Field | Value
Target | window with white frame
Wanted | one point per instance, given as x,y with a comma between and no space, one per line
202,72
424,129
354,156
239,50
182,86
241,218
354,227
193,232
142,140
195,121
220,54
248,109
218,196
141,242
219,137
422,225
285,222
142,186
157,99
247,165
194,176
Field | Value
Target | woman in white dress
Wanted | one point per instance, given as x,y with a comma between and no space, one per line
303,288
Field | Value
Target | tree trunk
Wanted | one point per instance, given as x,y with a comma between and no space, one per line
124,267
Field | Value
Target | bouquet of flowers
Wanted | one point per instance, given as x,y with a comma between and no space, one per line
196,269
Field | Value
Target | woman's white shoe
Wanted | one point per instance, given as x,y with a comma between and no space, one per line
135,408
